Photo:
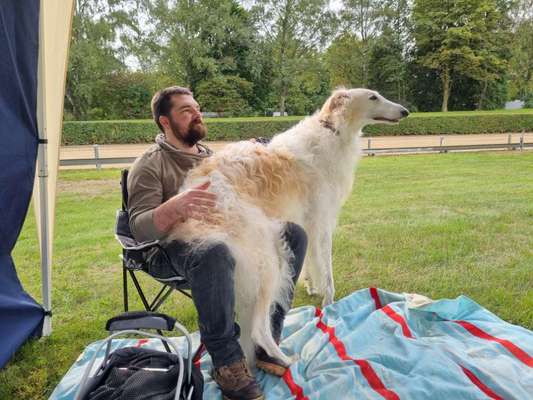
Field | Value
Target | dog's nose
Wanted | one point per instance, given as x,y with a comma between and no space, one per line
405,113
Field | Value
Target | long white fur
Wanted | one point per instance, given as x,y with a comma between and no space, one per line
320,154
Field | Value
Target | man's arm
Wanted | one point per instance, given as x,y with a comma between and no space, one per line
150,218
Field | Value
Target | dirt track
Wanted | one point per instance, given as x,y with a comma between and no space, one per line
133,150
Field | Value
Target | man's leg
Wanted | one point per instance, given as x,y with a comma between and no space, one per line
210,273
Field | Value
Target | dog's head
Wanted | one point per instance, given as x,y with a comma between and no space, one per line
360,107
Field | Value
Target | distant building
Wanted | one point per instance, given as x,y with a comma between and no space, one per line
209,114
278,114
514,105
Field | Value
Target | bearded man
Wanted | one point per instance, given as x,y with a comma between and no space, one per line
156,207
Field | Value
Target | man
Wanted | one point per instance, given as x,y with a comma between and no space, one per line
155,208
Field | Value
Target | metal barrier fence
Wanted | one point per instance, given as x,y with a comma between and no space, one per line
370,151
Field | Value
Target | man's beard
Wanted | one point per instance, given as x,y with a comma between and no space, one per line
195,132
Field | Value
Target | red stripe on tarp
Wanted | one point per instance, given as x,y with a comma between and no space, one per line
295,389
399,319
475,380
375,295
514,349
141,342
366,369
198,355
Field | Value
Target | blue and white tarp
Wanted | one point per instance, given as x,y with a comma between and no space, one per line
375,344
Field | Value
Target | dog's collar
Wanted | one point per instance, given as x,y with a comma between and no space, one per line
329,125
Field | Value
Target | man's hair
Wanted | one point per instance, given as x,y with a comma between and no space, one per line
162,102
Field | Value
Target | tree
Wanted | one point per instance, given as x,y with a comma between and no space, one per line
359,21
456,38
199,40
521,63
294,30
346,63
91,56
224,95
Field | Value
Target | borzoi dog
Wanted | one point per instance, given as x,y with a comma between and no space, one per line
303,175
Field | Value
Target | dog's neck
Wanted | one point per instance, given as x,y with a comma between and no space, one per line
328,124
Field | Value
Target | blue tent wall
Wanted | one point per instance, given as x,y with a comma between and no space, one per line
20,316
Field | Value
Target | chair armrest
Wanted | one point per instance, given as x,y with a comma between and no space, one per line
140,320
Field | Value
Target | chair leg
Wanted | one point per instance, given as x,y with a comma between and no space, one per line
139,290
125,287
157,297
162,299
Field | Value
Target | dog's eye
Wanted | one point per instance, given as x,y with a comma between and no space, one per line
373,97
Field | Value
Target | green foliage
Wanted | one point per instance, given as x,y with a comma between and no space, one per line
347,62
144,131
294,31
225,95
259,56
468,123
91,57
459,38
521,63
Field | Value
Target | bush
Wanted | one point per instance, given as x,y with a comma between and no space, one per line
456,123
144,131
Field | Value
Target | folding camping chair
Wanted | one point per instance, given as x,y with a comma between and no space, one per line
135,256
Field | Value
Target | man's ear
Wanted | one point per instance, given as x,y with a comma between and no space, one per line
164,121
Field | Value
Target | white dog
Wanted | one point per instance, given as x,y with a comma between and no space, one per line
303,175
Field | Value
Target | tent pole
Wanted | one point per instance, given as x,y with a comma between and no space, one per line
46,272
42,165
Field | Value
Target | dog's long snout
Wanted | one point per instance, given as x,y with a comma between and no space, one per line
404,112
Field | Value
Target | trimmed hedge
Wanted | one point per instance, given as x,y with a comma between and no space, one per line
144,131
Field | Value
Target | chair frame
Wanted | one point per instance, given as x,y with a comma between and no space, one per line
129,267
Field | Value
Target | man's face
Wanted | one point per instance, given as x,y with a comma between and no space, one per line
185,120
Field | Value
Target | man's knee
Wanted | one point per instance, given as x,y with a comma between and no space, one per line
296,237
215,258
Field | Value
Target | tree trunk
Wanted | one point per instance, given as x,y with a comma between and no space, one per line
282,99
445,89
482,95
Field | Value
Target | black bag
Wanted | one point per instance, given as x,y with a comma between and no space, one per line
135,373
141,374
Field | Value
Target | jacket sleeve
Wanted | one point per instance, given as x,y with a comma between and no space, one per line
145,194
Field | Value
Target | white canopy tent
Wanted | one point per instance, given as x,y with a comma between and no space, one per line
54,39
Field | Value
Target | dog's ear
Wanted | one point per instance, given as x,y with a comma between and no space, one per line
337,101
332,108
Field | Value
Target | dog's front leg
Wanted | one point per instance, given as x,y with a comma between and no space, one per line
319,268
327,273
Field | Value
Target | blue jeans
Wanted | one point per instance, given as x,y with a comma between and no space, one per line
210,273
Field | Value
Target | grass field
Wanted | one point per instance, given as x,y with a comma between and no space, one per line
440,225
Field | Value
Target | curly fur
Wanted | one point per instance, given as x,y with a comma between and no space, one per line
303,175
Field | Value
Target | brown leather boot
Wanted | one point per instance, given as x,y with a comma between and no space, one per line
269,364
237,383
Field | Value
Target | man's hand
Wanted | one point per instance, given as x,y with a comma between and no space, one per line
195,203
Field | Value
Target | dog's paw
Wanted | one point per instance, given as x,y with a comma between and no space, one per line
327,299
311,290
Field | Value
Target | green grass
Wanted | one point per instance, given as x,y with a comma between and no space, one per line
440,225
